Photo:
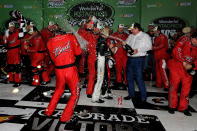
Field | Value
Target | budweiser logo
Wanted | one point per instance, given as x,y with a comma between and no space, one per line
59,50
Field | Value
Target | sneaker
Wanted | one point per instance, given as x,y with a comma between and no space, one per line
187,112
89,96
107,97
98,101
127,98
165,89
171,110
16,85
44,83
143,102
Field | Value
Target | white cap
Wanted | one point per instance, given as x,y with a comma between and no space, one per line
131,27
121,26
11,24
151,24
155,28
51,23
99,25
94,19
31,23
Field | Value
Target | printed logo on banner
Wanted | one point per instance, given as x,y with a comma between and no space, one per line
127,15
93,121
15,114
80,12
28,7
169,25
126,2
157,5
184,4
7,6
56,3
56,16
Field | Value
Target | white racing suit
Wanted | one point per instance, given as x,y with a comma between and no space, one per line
101,53
100,76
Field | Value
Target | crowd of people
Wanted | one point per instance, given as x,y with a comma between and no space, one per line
172,60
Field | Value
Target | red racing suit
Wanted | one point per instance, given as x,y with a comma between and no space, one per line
25,43
120,57
47,64
13,57
82,62
160,48
92,41
183,51
63,49
37,50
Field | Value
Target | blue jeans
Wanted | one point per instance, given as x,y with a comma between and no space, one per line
150,58
134,68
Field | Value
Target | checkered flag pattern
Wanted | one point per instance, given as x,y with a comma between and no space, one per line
22,26
21,20
72,22
109,22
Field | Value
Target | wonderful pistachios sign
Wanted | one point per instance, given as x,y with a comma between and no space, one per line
169,25
80,12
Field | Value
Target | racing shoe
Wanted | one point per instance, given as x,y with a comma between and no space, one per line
16,85
107,96
171,110
98,101
44,83
187,112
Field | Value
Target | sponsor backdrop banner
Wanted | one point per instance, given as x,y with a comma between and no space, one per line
154,9
111,12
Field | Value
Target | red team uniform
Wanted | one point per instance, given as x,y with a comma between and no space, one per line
25,43
161,55
37,50
62,50
13,57
48,66
91,46
120,57
183,51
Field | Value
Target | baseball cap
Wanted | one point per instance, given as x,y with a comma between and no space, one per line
156,28
11,24
121,26
99,25
51,23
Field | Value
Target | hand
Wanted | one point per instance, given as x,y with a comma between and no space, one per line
25,47
135,51
124,43
4,37
111,45
187,66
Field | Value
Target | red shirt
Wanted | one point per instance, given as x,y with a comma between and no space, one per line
160,47
46,34
63,49
184,51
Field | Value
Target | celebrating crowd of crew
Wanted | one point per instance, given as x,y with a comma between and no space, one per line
173,61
